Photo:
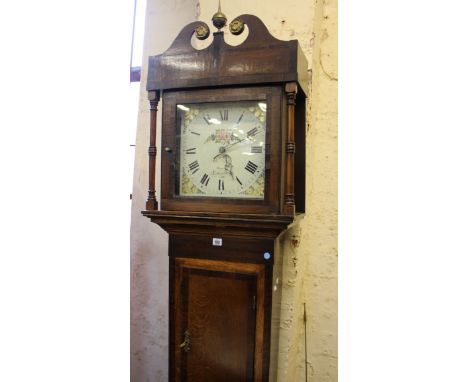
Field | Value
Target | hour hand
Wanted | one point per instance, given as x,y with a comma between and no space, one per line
222,152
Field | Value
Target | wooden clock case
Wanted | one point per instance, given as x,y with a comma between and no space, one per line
220,296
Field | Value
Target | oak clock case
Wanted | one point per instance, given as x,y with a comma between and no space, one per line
232,180
223,147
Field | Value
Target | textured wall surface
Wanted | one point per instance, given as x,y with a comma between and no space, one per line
309,264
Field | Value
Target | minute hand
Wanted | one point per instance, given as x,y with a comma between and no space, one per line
235,143
223,149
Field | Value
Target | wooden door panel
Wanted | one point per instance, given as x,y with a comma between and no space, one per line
220,317
217,303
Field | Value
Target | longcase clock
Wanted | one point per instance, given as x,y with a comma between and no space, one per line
232,179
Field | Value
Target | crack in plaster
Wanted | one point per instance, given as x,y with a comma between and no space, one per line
330,77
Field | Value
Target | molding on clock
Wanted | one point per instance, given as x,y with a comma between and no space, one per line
251,225
219,64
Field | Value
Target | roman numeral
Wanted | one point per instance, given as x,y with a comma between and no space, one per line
256,149
207,118
251,167
239,180
205,179
193,132
221,185
240,118
252,132
194,166
224,114
191,151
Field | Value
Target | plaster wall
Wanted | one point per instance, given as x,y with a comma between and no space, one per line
309,268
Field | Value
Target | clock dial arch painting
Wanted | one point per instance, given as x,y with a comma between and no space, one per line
222,149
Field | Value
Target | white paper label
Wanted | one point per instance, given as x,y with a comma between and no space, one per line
217,241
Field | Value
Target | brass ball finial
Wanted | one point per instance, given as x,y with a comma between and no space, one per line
236,27
219,18
202,32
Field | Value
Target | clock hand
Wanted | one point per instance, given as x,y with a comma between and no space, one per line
223,149
235,143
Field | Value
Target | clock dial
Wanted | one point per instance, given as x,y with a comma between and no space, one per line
222,149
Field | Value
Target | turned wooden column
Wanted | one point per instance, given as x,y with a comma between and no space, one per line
152,203
289,204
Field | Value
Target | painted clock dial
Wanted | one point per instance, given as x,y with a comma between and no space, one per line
222,149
